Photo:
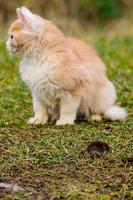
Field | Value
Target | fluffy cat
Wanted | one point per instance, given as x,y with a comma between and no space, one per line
65,75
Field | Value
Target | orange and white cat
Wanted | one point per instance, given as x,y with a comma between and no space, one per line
65,75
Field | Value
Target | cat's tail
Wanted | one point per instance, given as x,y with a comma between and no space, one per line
115,113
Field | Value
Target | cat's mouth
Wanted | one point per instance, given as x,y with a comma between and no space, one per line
11,49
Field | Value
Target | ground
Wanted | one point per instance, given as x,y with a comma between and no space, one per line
48,161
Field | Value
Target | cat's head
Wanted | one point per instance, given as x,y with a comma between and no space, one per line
24,32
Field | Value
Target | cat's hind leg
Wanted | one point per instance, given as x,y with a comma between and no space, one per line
105,104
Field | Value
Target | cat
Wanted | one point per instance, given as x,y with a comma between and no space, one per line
64,74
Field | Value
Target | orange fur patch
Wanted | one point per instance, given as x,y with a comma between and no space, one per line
15,27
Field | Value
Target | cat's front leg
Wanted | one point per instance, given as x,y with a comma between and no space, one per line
68,110
40,111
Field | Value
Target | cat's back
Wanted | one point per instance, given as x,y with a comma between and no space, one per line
84,53
80,47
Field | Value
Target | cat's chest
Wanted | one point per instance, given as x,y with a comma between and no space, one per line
40,79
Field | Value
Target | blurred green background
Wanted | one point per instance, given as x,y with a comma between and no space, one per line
83,10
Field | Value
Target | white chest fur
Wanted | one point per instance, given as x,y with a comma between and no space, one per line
39,76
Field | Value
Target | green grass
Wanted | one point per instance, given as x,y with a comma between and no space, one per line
47,160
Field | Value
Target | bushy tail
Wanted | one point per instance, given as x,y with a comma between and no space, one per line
115,113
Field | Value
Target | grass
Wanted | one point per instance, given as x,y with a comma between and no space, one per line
47,161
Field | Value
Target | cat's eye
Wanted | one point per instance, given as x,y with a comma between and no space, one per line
11,36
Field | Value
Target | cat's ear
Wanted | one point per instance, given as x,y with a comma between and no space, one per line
27,18
25,15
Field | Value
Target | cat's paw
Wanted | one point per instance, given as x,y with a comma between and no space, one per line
37,121
64,122
96,117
